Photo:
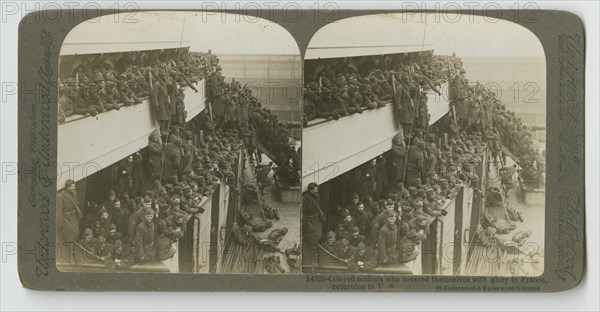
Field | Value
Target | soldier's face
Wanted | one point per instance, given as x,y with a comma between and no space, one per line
149,217
105,215
118,204
88,238
390,208
345,248
348,219
391,220
361,208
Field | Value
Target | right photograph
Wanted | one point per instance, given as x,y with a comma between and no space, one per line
424,147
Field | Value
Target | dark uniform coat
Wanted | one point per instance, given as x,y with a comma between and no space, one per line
144,241
368,258
68,216
386,243
160,101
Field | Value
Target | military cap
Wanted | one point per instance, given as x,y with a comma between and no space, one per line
355,196
390,214
97,77
429,191
112,226
169,231
355,229
101,239
93,86
330,235
83,78
148,212
346,213
118,243
312,185
103,210
344,243
361,246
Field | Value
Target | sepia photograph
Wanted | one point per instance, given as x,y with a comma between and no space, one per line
179,141
424,147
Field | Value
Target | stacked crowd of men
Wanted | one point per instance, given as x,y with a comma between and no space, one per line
100,83
396,196
233,103
154,191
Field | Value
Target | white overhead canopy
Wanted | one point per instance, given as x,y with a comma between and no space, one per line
467,36
368,35
201,31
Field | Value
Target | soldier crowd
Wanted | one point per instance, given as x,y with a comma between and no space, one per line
340,87
396,196
234,106
143,227
100,83
154,191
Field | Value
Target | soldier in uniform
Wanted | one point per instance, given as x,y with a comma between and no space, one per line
345,251
161,102
403,102
144,237
172,161
364,259
103,250
155,154
327,108
398,154
71,102
379,221
431,205
313,217
350,103
112,236
361,218
164,244
356,237
93,98
331,244
123,255
309,103
415,164
68,214
387,239
88,243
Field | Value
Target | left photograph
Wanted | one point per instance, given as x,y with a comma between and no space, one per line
178,145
